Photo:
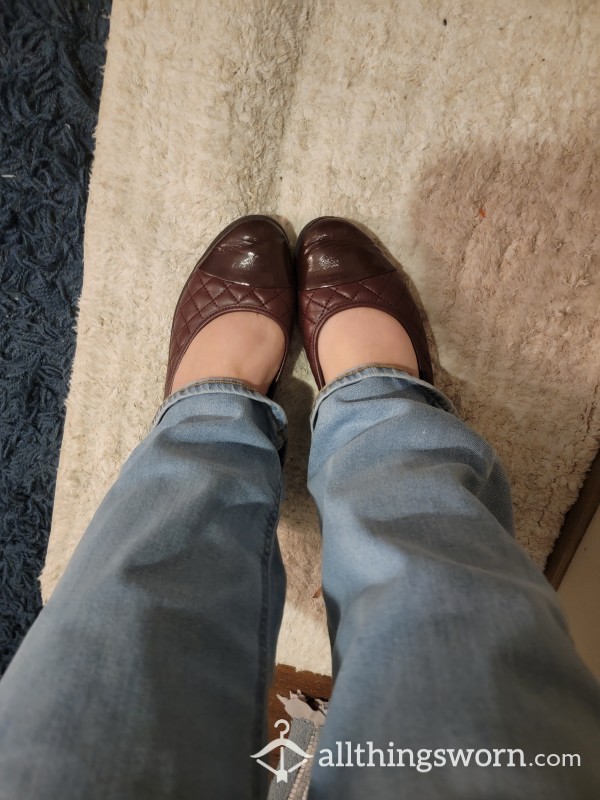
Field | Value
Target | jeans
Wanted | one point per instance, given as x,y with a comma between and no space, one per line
146,674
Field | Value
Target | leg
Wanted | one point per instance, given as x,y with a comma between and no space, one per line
146,673
444,634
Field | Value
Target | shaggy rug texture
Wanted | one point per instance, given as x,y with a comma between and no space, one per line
464,135
51,59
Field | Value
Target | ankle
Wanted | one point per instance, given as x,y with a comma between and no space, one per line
243,346
359,337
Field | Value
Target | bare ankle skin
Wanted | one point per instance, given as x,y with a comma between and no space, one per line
360,336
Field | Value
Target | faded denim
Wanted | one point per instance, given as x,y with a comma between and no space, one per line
145,676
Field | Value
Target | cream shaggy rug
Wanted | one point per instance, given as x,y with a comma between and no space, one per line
464,134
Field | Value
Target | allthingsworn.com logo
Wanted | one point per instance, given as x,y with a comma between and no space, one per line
348,754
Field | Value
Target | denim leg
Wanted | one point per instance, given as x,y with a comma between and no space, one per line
145,675
444,633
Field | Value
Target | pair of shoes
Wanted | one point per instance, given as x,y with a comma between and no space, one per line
250,267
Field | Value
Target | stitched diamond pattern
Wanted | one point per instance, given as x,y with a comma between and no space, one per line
205,296
387,291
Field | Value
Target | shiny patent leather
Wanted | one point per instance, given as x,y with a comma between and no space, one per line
339,267
248,267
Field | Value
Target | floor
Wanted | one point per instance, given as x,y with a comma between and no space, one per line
580,592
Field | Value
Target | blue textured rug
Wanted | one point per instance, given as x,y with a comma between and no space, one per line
51,60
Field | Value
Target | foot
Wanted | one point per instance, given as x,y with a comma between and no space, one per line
244,345
359,336
350,296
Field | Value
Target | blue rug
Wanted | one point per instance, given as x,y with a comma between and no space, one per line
51,59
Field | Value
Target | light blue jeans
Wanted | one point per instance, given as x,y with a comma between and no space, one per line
146,674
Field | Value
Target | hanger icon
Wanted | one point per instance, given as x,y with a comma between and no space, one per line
281,773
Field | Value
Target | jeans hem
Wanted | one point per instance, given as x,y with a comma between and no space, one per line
226,386
433,395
